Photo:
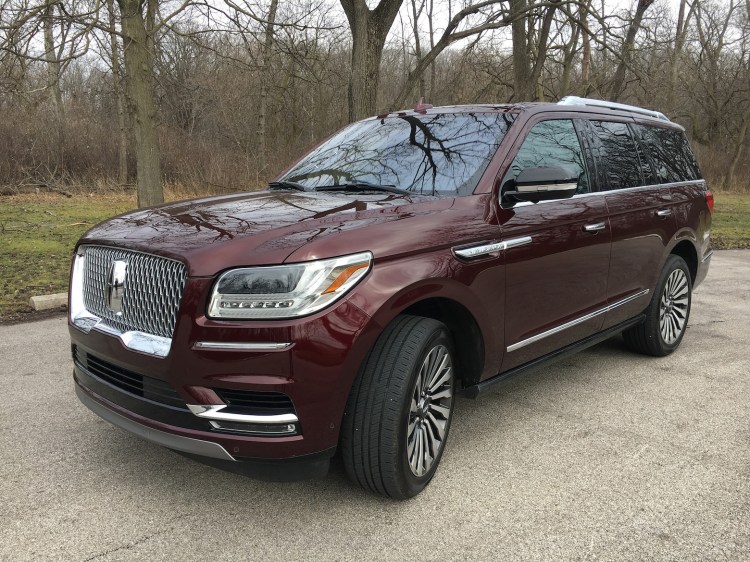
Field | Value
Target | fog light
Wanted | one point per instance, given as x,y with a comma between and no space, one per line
256,428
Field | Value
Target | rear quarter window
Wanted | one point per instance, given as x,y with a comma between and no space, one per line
617,155
670,154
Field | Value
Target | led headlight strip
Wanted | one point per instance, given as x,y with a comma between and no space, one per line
286,291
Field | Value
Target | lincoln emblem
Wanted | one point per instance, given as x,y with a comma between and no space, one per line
116,285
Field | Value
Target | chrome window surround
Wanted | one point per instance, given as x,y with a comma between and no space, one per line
608,192
84,320
575,322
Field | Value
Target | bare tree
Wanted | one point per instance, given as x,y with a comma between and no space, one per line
140,89
618,83
119,91
266,77
369,30
53,54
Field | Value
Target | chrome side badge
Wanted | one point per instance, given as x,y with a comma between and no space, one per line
115,289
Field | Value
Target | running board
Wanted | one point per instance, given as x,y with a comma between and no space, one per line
476,389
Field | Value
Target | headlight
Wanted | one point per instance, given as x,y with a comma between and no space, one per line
286,291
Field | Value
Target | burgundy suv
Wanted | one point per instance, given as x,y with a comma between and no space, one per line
408,258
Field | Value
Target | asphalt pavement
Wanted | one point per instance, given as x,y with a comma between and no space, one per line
606,455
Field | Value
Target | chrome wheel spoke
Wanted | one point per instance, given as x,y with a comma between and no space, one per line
429,410
673,309
444,393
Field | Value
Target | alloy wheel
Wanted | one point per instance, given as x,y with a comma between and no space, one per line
430,410
674,306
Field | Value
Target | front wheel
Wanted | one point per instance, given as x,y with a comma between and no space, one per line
667,315
400,408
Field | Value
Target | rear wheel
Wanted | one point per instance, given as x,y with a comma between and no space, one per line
400,408
667,315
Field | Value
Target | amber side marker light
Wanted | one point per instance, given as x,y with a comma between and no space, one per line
710,201
343,276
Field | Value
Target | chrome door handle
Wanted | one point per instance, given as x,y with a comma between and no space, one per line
595,227
663,212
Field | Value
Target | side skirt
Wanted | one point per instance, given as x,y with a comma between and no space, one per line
476,389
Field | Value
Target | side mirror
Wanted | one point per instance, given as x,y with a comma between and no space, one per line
542,184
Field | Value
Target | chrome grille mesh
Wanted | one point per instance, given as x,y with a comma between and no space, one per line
153,289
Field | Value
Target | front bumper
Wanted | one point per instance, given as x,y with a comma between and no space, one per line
315,372
208,452
163,438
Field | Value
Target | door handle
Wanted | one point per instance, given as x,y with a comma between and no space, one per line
663,213
595,227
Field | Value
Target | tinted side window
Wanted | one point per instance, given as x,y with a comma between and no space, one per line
551,143
670,153
618,156
647,170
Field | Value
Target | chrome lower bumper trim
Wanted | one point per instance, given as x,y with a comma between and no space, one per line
577,321
241,346
214,412
169,440
707,256
142,342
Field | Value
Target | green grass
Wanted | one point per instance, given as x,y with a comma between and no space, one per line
37,235
38,232
731,221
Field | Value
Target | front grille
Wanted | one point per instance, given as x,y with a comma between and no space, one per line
152,290
256,402
138,385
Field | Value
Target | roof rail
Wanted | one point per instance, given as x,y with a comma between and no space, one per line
575,100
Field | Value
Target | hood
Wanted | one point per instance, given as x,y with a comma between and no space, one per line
257,228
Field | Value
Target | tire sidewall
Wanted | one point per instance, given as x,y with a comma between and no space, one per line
410,483
654,328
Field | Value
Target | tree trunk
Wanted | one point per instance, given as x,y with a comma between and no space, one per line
679,44
122,118
265,79
570,50
739,149
53,81
431,28
140,88
586,62
618,84
369,29
523,85
417,44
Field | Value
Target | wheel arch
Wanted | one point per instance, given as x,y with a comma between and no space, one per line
465,331
686,250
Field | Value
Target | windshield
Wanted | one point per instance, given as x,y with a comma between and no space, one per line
440,154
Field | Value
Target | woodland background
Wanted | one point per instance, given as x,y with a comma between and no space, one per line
219,96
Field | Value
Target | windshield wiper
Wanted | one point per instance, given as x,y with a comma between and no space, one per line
362,186
284,184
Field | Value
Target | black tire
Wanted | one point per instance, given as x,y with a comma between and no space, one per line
653,337
380,410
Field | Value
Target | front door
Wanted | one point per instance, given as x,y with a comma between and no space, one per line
557,256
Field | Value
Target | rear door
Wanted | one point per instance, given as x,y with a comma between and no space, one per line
641,216
558,251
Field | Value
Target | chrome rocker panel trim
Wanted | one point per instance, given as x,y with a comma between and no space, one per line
577,321
169,440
